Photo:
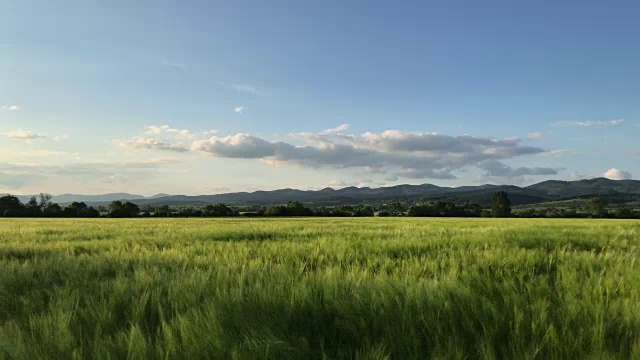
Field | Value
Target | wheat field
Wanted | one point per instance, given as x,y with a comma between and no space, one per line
319,288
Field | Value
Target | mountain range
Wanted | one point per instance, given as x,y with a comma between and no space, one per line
613,191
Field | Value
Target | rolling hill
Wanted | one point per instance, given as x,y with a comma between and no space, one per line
615,192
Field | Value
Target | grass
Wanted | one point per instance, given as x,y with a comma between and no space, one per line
368,288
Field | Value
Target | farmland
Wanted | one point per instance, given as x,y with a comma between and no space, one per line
368,288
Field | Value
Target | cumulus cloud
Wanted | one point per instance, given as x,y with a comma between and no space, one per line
494,168
616,174
413,142
239,109
26,135
156,130
536,135
417,155
338,128
589,123
11,107
412,154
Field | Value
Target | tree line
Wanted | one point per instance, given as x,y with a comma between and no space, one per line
42,206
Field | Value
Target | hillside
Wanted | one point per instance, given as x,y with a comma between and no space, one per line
615,192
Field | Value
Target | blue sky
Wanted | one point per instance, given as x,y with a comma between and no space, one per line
204,97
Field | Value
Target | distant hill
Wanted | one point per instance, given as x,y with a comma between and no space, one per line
92,199
615,192
589,188
622,191
68,198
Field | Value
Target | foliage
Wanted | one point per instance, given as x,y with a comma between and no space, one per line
10,204
163,211
397,288
346,211
293,208
501,205
597,207
41,206
118,209
444,208
218,210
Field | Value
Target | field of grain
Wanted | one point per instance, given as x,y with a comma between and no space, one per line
367,288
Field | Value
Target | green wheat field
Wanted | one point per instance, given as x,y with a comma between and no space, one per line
319,288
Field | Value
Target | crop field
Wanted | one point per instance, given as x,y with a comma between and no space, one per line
314,288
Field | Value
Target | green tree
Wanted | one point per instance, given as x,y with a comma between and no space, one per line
163,210
76,209
44,200
118,209
597,207
52,210
33,208
501,206
218,210
10,206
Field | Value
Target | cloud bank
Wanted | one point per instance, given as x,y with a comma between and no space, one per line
416,155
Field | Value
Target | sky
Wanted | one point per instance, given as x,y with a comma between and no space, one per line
205,97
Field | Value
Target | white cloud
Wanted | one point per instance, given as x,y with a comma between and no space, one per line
616,174
339,128
239,109
11,107
26,135
555,153
151,144
536,135
417,155
177,133
156,130
411,154
589,123
60,138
